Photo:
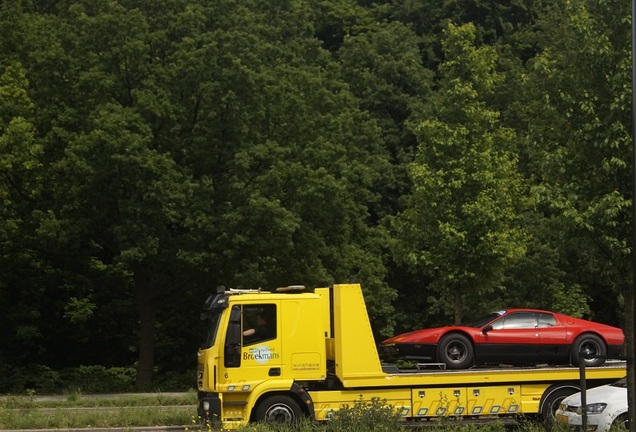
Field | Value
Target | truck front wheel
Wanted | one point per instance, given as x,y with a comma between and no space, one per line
278,409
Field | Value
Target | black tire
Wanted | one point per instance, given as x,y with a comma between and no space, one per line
455,351
550,402
592,346
621,422
278,409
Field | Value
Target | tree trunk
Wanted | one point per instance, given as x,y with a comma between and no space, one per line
146,309
458,306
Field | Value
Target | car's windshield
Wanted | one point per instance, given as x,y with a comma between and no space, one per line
620,383
484,320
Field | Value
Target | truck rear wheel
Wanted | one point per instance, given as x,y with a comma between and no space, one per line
278,409
552,398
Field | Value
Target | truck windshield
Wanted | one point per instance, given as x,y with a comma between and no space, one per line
213,319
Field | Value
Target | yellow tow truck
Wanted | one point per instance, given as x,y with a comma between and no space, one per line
319,355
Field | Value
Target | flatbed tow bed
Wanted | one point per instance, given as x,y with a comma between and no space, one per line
438,368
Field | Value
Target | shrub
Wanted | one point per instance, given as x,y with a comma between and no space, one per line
40,379
33,378
175,381
374,415
99,379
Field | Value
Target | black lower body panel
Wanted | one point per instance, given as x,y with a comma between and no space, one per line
417,352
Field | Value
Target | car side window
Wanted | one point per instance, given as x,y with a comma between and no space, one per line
520,320
546,320
498,325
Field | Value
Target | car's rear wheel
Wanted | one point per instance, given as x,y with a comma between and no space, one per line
455,351
588,348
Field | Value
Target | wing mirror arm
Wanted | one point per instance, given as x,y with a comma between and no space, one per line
486,329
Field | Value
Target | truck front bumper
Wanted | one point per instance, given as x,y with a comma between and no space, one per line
209,407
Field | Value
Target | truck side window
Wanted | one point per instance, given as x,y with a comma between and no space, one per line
259,323
232,356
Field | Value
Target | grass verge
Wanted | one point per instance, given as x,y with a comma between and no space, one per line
130,411
77,411
64,419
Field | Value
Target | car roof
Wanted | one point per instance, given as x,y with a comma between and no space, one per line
509,310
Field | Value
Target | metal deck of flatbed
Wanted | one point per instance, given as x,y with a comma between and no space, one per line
436,368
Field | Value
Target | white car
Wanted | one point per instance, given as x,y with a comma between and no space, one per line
606,407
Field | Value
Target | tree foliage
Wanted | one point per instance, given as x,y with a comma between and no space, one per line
579,145
149,152
461,222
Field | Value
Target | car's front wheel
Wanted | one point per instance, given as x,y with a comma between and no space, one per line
588,348
621,422
455,351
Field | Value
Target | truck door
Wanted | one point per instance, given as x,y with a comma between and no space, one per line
252,351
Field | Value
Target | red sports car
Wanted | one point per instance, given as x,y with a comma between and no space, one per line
513,336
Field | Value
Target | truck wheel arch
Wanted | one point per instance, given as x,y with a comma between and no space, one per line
277,408
295,397
551,399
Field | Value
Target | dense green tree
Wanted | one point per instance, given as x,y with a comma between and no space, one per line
493,20
134,225
288,149
382,65
206,144
579,146
461,221
333,21
384,70
149,152
20,186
